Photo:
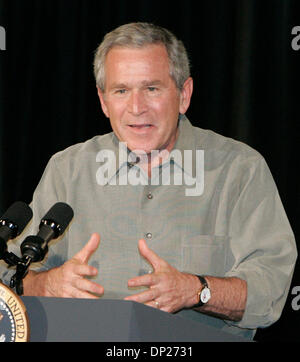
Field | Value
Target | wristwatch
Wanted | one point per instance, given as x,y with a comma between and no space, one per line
204,293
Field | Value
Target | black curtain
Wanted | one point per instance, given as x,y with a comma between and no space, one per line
245,70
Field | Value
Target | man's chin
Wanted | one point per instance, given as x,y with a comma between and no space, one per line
140,148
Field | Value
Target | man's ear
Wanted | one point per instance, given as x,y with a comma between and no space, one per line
102,101
186,95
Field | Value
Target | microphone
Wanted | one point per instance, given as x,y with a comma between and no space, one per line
12,223
35,247
52,225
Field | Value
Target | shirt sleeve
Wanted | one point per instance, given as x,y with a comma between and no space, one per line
263,247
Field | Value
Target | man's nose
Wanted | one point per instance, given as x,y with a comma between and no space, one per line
137,103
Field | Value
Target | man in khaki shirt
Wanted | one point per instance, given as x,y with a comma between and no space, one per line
220,250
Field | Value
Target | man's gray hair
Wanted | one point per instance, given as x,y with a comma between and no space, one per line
137,35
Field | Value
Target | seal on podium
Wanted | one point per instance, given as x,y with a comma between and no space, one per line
14,323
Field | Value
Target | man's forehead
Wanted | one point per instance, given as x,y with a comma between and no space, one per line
157,52
147,65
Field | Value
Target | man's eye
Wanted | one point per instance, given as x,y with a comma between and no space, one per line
152,89
120,91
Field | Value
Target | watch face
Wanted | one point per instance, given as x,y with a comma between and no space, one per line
205,295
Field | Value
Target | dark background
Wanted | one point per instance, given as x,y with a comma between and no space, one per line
245,71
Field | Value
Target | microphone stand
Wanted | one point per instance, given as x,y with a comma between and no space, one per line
17,279
22,269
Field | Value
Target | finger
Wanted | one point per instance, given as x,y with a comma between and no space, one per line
153,304
84,270
90,247
159,306
77,293
149,254
143,297
146,280
89,286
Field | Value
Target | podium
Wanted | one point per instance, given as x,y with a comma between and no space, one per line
89,320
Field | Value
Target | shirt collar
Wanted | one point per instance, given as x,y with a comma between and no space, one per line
187,146
185,142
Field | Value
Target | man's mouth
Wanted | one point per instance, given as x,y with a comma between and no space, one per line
141,129
140,125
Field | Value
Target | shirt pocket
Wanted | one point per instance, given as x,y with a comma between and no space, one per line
205,254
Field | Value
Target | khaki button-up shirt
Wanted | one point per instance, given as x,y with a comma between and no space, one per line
229,222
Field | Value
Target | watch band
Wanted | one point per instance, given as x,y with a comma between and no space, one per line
203,285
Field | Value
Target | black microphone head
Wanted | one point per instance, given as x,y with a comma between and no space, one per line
19,214
61,214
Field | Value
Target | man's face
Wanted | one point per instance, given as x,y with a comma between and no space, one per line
141,99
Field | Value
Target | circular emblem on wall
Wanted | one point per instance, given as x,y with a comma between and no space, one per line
14,324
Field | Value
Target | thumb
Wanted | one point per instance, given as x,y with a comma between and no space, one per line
87,251
149,254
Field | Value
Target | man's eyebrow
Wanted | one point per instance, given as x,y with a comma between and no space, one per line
151,82
144,83
118,85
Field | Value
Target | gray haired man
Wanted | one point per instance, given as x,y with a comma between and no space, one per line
225,257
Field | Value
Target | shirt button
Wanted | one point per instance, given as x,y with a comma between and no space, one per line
150,196
149,236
